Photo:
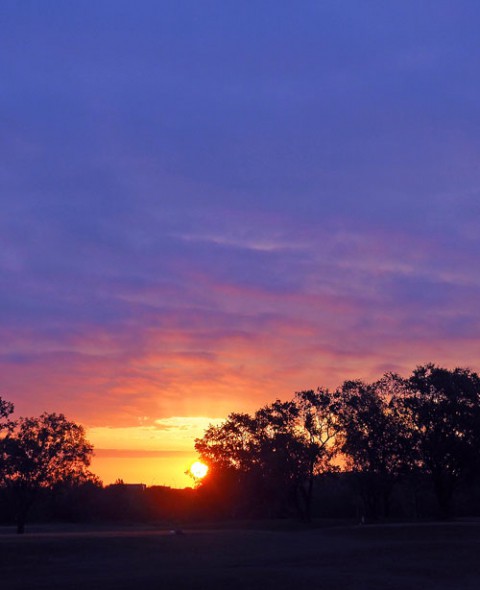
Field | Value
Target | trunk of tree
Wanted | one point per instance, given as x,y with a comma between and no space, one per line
386,502
308,500
20,527
444,487
22,502
22,512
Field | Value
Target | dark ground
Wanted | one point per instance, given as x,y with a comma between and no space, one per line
428,556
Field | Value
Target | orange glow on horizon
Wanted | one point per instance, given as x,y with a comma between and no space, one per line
161,453
169,470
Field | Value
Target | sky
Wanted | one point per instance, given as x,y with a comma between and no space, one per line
205,206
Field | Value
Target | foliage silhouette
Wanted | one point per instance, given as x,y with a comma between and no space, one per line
268,461
371,439
398,446
42,453
441,412
388,435
6,409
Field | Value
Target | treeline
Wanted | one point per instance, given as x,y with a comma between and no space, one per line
401,443
399,447
92,502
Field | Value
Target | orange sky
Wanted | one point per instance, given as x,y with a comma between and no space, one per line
143,424
157,454
156,469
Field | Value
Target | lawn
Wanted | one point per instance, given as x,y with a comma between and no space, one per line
428,556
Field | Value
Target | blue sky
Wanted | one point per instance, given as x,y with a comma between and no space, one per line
206,205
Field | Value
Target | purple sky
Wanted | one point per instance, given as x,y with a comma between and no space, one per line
206,205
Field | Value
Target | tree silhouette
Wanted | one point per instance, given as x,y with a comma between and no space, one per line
6,409
441,410
320,427
39,453
284,455
6,425
372,440
268,461
230,451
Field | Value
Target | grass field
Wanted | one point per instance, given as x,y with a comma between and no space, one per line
433,556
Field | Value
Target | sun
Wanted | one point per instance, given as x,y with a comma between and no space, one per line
198,470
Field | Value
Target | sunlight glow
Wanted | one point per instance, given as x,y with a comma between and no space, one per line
198,470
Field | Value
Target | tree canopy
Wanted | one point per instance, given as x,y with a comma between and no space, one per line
42,452
395,429
271,456
392,439
440,410
6,409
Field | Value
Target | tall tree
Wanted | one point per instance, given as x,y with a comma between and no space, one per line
320,426
231,452
6,424
271,456
441,409
41,453
284,454
372,441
